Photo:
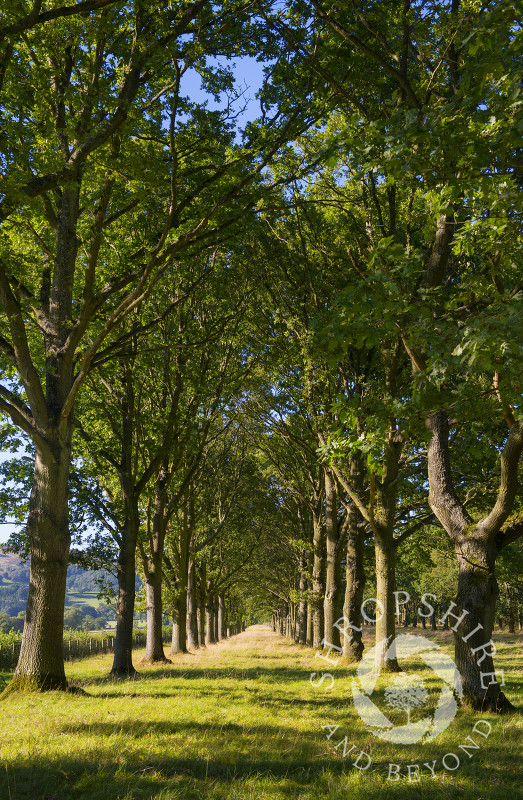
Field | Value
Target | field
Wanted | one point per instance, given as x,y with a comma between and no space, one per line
80,598
241,720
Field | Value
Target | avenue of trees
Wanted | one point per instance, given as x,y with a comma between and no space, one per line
272,369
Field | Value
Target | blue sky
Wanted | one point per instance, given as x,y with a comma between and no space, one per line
248,74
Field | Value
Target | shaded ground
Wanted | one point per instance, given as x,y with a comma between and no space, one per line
241,720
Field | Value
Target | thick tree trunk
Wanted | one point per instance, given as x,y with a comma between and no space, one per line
301,622
200,620
317,583
200,604
511,620
192,620
152,563
331,602
354,587
209,626
183,579
384,516
386,606
179,640
123,646
477,545
175,639
154,651
477,595
309,624
221,617
215,618
41,661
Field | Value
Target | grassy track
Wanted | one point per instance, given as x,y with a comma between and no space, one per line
240,721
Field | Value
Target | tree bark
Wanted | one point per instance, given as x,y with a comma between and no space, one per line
152,568
386,606
354,570
476,544
331,602
215,618
41,661
123,646
154,651
192,620
201,590
354,587
301,633
179,640
383,520
317,582
221,617
209,627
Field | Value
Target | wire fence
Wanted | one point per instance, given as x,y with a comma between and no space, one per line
74,649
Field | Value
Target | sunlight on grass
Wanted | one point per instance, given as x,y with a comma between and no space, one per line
239,720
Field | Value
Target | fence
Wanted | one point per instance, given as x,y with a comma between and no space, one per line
74,649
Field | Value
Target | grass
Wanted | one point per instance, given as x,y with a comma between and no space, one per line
84,598
240,720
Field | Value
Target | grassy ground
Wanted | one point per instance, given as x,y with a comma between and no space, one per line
83,598
241,721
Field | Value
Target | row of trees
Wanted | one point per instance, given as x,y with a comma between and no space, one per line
247,360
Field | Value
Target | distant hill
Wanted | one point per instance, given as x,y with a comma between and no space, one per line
82,587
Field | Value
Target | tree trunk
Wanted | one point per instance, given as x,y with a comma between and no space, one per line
476,544
354,587
331,602
183,577
354,571
215,618
209,629
302,605
175,641
221,617
152,563
154,651
123,646
511,608
179,641
317,583
201,598
192,620
309,624
386,606
477,594
385,491
41,661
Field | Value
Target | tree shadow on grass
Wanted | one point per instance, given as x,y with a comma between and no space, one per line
137,729
124,774
269,674
190,779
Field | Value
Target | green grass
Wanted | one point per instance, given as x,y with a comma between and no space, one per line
84,598
240,721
